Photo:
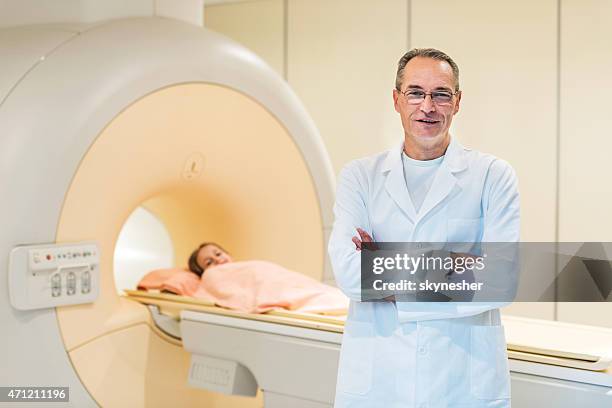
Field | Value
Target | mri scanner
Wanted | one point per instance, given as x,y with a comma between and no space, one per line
99,119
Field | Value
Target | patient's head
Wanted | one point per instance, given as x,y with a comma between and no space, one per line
206,255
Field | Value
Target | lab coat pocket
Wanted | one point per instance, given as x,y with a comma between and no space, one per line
356,358
489,373
463,229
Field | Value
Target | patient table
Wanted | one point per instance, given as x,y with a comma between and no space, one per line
293,357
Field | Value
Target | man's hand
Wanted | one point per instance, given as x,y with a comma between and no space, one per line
363,237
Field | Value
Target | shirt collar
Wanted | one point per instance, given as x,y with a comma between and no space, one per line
454,158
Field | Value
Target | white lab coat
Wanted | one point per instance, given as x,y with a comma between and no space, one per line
433,355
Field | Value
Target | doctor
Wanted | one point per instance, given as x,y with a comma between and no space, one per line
429,188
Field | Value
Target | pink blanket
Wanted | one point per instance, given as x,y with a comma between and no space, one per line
252,287
259,286
175,280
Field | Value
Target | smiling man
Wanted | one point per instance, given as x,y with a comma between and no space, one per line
426,115
427,189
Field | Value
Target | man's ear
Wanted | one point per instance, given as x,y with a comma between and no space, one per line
395,99
458,102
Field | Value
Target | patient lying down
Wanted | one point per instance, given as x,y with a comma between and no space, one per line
247,286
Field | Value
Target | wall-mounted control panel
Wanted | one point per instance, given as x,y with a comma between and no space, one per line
50,275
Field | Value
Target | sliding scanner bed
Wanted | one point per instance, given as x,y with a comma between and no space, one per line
293,356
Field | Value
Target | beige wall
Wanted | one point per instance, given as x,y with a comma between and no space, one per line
258,25
340,57
585,189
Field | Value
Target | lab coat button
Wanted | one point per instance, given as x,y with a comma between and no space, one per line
422,350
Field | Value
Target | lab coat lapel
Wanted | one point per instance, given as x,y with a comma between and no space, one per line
445,181
395,183
443,184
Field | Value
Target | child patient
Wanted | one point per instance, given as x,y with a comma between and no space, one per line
206,255
183,281
253,286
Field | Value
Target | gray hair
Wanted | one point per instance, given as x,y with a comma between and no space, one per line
425,53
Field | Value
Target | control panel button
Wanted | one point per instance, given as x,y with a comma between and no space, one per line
70,283
56,285
85,282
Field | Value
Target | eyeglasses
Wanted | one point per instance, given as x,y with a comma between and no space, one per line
416,96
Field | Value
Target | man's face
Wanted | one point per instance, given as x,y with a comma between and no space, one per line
426,124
